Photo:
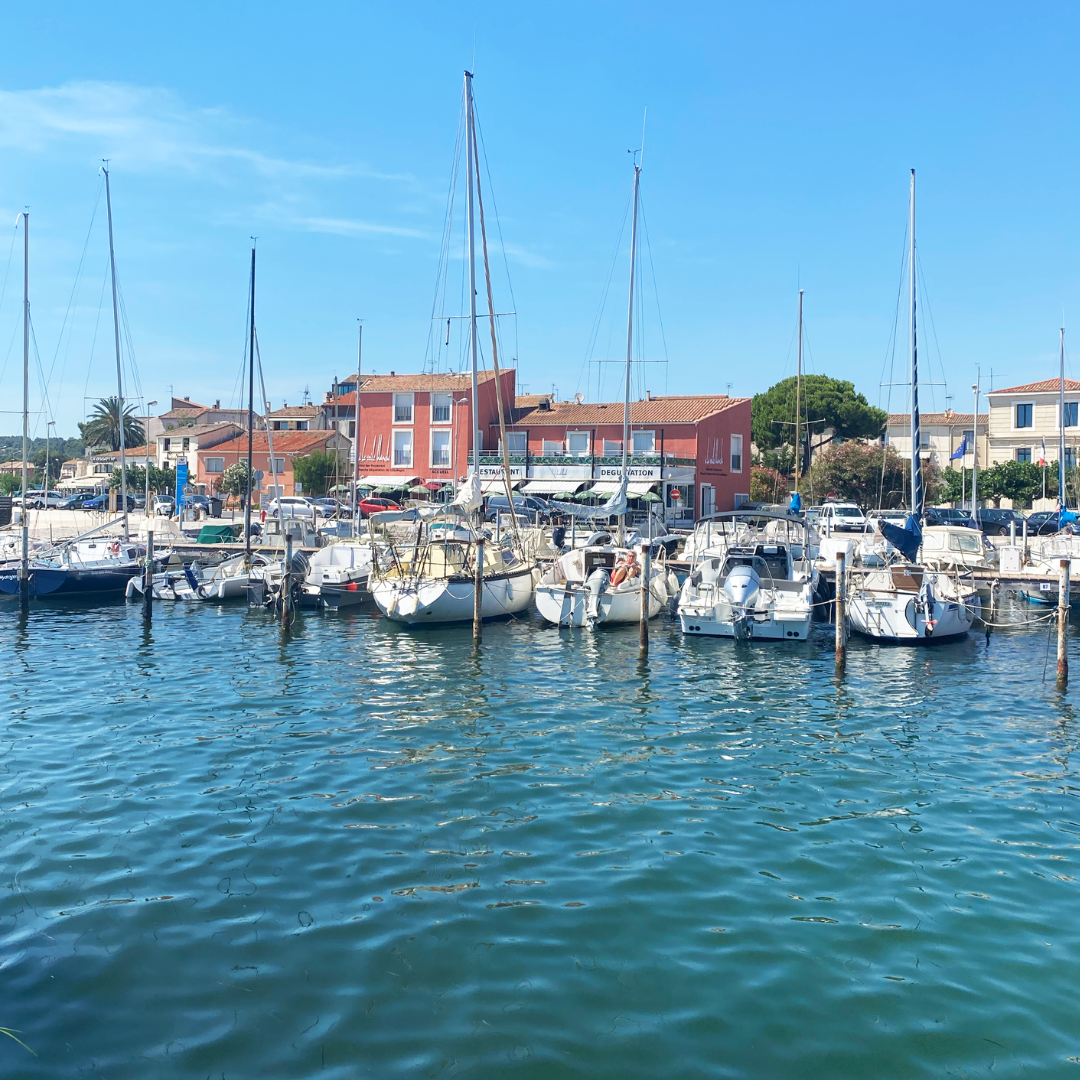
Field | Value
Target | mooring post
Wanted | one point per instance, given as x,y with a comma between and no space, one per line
841,635
1063,626
286,582
643,629
148,576
478,595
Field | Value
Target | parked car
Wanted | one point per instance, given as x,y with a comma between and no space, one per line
101,502
898,518
527,507
164,506
948,515
42,500
328,507
77,501
197,502
1046,523
996,522
838,517
375,505
291,506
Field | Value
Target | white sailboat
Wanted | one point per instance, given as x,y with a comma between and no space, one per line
602,583
906,601
434,579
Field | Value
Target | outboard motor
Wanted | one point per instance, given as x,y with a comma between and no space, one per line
558,537
741,586
595,584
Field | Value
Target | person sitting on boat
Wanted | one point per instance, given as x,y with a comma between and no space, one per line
626,568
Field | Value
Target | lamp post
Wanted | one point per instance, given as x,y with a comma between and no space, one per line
50,424
146,441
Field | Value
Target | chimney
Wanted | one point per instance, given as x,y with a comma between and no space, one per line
217,404
648,395
268,409
393,373
545,404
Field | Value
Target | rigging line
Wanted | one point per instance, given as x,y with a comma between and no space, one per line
11,251
241,376
652,270
933,328
890,359
97,324
129,352
74,290
495,208
11,343
47,411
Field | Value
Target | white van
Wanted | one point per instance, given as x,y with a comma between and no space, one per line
833,517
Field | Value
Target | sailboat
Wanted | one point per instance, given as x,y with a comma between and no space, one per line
909,601
602,582
432,579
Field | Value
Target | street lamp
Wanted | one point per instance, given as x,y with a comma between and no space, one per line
50,424
146,440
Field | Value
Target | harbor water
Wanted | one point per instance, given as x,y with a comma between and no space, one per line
362,851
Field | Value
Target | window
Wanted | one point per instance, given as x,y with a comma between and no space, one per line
613,448
215,464
969,436
924,436
577,443
1023,418
552,449
644,442
1070,414
736,453
279,465
277,425
708,500
1070,457
517,442
352,429
440,448
186,444
440,408
403,446
165,444
403,411
1023,453
301,425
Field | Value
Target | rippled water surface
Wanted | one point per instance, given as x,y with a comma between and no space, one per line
362,852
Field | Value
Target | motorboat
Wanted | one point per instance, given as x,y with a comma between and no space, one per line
602,583
228,580
338,575
756,582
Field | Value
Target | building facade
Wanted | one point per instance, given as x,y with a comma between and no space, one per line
184,443
287,446
1025,422
187,413
940,436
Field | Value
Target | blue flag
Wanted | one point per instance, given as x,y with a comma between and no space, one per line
960,451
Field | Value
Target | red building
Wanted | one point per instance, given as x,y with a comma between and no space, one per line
288,445
691,451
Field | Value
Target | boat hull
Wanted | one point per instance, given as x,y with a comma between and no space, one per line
898,620
746,624
428,602
64,581
572,604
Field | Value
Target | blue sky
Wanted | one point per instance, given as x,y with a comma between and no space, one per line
778,146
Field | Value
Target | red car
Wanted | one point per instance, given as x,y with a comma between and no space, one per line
372,505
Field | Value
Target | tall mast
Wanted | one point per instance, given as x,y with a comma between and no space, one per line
916,463
356,427
251,407
470,136
1061,426
24,569
975,459
798,399
119,370
629,341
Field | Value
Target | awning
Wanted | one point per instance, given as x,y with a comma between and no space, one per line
551,487
494,487
396,480
634,489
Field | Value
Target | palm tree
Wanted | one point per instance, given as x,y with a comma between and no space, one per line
103,427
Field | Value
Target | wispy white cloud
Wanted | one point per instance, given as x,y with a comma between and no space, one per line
148,129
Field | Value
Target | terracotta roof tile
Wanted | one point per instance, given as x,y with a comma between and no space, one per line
297,410
659,410
1046,385
196,430
285,442
937,419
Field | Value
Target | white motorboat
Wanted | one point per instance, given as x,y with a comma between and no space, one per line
338,575
228,580
758,582
584,587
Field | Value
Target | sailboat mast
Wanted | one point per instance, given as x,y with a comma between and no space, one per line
798,399
470,136
629,341
119,370
1061,426
975,459
24,569
916,463
251,408
356,429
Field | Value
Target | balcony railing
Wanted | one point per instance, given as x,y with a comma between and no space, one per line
494,457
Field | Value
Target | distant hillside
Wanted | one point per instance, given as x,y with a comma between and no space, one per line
61,449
